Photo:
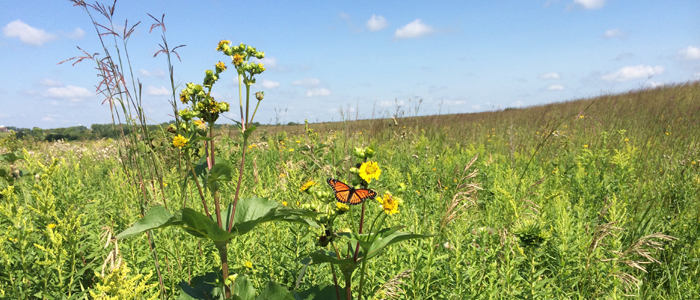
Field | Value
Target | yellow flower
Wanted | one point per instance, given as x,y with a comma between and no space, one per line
180,141
585,146
220,47
284,203
580,117
183,97
298,141
291,150
307,185
51,226
389,203
627,140
434,169
341,207
248,264
262,67
237,59
369,170
666,133
12,240
220,67
201,125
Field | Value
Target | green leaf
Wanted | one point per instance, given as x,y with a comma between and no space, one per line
157,217
249,131
251,212
243,289
318,292
193,222
202,287
10,157
200,225
383,241
326,256
273,291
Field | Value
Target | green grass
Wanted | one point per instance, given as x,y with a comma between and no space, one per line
576,199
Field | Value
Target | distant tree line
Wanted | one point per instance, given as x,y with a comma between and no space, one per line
82,133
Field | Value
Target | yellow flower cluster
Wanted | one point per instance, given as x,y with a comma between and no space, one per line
369,170
307,185
180,141
389,203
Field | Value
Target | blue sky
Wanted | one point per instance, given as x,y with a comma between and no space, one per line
458,56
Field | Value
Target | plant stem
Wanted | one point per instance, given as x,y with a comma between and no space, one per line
238,186
362,219
335,281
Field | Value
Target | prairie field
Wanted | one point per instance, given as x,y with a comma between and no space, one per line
588,199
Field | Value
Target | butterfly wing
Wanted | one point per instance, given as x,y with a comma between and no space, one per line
361,195
342,191
348,195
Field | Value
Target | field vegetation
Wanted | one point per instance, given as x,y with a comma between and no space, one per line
587,199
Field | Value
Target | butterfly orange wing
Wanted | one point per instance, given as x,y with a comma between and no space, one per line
361,195
348,195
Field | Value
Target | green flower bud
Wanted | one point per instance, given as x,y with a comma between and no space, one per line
369,152
354,170
359,152
259,55
223,106
259,95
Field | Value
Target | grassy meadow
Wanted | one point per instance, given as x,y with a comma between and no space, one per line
588,199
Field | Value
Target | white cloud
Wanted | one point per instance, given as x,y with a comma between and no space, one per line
633,72
71,93
307,82
654,84
552,75
50,82
49,118
268,62
613,33
413,30
689,53
476,106
590,4
27,34
555,87
76,34
317,92
268,84
376,23
391,103
154,91
156,73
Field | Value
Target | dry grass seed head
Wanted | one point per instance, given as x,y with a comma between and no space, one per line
392,288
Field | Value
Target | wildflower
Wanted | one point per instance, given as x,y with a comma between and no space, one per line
183,96
248,264
259,95
389,203
434,169
580,117
282,175
237,59
291,150
666,133
627,140
201,125
220,67
306,186
585,146
223,44
12,240
341,207
180,141
298,141
284,203
369,170
51,226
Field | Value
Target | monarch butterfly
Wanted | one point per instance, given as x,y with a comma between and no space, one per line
349,195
